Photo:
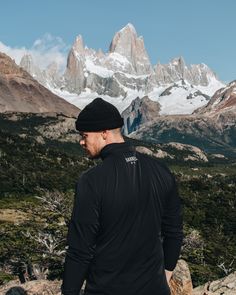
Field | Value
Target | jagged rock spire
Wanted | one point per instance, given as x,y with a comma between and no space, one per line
128,44
78,45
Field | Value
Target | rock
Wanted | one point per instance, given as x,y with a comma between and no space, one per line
74,75
197,153
163,154
181,283
144,150
159,154
141,111
224,286
128,44
37,287
218,156
177,70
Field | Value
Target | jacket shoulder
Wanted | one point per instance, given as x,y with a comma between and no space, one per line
155,166
92,171
153,161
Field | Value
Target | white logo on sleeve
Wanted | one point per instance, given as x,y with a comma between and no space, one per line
131,160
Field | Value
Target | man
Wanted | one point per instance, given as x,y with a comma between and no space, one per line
126,228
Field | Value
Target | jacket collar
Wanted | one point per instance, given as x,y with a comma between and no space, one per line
115,148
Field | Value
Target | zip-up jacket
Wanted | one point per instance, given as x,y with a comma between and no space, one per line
126,226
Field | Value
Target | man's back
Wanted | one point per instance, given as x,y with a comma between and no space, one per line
133,202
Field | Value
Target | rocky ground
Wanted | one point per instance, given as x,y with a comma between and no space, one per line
180,284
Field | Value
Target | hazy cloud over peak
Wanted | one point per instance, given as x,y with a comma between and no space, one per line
44,51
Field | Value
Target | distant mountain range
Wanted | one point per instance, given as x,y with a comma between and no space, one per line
125,72
161,104
211,128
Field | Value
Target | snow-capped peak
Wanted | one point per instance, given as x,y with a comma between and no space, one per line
78,45
129,27
125,72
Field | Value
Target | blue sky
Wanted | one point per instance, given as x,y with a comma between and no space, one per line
200,31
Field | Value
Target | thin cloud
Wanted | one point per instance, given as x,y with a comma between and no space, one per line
44,51
15,53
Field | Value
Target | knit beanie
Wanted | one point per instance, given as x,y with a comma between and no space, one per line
99,115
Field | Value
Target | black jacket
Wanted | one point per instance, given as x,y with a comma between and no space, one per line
126,226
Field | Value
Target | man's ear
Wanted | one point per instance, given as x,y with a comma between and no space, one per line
104,134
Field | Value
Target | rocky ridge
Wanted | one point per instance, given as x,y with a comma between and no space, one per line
20,92
209,134
175,150
223,101
176,70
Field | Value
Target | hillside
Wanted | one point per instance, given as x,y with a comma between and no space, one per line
40,166
20,92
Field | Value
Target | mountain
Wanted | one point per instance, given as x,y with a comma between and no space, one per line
140,112
223,101
125,72
20,92
176,70
49,76
125,67
127,44
211,128
179,98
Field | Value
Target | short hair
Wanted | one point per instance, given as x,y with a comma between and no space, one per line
16,291
116,131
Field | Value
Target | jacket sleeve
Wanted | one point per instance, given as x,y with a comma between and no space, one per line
172,227
81,238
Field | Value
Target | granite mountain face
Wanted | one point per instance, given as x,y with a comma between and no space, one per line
127,44
124,73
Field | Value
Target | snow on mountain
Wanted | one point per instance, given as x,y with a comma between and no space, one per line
176,98
98,70
88,96
117,62
182,98
223,101
212,87
124,73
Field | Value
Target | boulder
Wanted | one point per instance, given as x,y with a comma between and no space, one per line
181,283
224,286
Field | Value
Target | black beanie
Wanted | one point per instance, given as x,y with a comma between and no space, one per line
99,115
